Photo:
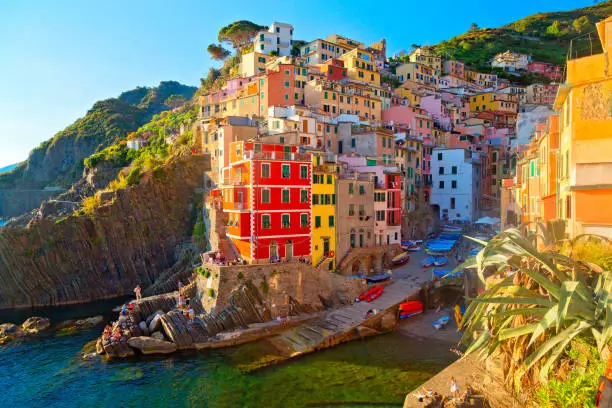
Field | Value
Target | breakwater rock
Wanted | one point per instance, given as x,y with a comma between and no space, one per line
130,239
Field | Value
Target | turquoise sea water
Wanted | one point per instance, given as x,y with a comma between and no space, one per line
48,371
2,223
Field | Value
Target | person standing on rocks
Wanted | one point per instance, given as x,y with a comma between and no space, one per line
138,292
454,388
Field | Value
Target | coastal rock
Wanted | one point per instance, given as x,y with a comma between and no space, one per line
118,350
144,328
388,322
100,347
158,335
8,329
364,331
155,324
89,322
36,324
149,345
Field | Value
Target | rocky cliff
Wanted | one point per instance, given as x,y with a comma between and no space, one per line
130,239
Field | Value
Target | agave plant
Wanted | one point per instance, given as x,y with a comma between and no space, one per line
533,305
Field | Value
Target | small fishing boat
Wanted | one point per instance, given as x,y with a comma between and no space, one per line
401,259
410,308
415,248
441,322
371,294
378,278
440,261
427,262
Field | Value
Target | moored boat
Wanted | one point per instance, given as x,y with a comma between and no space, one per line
401,259
378,278
427,262
440,261
441,322
410,308
371,294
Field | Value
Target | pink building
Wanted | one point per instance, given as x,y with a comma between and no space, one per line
550,70
454,68
417,120
434,105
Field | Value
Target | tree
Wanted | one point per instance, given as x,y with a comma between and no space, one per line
474,27
217,52
582,24
295,47
534,304
554,28
239,33
174,101
273,53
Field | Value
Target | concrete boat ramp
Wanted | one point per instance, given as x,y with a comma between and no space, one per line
338,325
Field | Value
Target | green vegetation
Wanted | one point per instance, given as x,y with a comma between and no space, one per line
546,36
211,292
217,52
60,160
239,33
538,308
199,235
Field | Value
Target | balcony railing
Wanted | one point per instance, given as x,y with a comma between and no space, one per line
283,156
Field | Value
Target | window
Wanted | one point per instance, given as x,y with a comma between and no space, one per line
285,221
265,196
441,184
285,196
265,221
353,142
331,221
361,210
303,220
265,170
454,184
329,179
439,156
441,170
318,221
351,211
454,169
303,172
303,196
351,188
286,171
361,190
333,198
315,199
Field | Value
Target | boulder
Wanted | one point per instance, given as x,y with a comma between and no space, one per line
150,345
364,331
144,328
388,322
100,347
8,329
155,324
36,324
89,322
158,335
118,350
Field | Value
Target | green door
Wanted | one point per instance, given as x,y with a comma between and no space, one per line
287,152
325,247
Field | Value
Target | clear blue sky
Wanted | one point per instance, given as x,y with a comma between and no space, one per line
59,57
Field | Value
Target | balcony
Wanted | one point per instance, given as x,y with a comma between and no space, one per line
233,181
282,156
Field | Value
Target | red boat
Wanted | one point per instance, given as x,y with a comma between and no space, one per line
371,294
410,308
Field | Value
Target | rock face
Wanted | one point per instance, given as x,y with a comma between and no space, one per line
36,324
150,345
126,242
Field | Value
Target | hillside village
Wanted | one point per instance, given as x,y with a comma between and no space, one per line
315,154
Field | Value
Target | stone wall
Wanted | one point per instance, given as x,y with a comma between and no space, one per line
281,285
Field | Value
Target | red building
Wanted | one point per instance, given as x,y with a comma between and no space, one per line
333,69
266,196
550,70
282,86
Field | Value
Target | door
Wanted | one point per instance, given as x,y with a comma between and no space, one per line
325,246
339,146
289,250
273,250
287,150
305,126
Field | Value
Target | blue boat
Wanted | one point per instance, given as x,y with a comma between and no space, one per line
441,322
440,261
427,262
378,278
446,274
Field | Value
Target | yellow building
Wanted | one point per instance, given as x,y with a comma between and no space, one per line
493,102
418,73
585,141
323,211
253,63
406,91
360,66
333,98
425,57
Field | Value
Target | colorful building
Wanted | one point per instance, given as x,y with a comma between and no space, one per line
278,38
453,68
495,102
585,141
324,220
253,63
418,73
425,57
511,61
552,71
360,66
266,196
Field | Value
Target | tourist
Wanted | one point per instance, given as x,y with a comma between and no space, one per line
454,388
138,292
191,314
123,310
180,286
181,301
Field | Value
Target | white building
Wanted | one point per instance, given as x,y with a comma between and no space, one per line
511,61
278,37
456,183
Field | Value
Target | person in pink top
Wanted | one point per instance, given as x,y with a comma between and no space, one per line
138,292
